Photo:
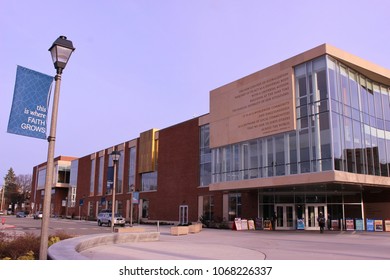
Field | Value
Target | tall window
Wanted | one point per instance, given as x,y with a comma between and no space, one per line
208,208
121,168
234,206
132,170
92,179
41,179
74,167
100,178
205,156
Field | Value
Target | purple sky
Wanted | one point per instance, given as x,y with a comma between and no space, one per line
151,64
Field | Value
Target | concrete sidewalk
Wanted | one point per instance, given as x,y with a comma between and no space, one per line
214,244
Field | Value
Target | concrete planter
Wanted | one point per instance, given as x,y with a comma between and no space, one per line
195,228
179,230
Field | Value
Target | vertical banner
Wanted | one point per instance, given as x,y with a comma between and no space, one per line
30,104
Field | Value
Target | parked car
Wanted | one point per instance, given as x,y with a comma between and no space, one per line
105,218
38,215
21,215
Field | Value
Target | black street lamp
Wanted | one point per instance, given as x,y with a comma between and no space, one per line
60,52
115,158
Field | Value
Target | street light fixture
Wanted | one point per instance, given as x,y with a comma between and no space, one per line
115,158
60,51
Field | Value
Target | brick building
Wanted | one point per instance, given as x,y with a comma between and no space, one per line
307,135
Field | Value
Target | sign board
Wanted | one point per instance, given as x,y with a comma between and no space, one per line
237,224
335,225
135,197
349,225
256,106
387,225
259,223
359,224
300,224
251,224
267,225
244,224
370,225
30,104
378,225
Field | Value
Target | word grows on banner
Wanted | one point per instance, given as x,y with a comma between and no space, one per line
28,115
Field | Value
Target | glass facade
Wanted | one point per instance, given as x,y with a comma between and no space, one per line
360,114
205,156
328,94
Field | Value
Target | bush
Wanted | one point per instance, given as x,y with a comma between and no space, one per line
24,247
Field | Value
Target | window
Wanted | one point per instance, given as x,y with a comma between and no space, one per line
149,181
74,167
92,179
63,173
100,178
205,156
41,179
208,208
234,206
132,160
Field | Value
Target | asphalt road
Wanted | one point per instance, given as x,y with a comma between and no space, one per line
56,225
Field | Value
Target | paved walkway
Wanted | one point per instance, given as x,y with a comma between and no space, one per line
214,244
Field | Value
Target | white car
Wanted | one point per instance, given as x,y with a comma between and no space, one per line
38,215
105,218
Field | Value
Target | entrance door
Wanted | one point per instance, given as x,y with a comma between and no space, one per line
285,216
311,215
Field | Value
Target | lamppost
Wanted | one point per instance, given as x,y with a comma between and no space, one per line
60,53
131,205
115,158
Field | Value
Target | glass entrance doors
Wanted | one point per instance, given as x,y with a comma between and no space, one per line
311,214
285,216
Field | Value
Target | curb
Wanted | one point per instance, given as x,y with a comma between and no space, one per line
70,249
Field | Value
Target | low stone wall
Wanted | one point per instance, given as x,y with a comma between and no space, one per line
70,249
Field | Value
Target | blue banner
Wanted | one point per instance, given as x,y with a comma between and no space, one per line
30,103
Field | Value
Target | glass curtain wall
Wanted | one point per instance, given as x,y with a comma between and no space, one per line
360,114
308,149
328,94
205,156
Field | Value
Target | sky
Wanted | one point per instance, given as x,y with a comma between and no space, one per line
151,64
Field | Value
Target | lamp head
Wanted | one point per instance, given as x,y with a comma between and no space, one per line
115,155
60,52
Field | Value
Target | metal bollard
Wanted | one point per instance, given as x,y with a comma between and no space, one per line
3,221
